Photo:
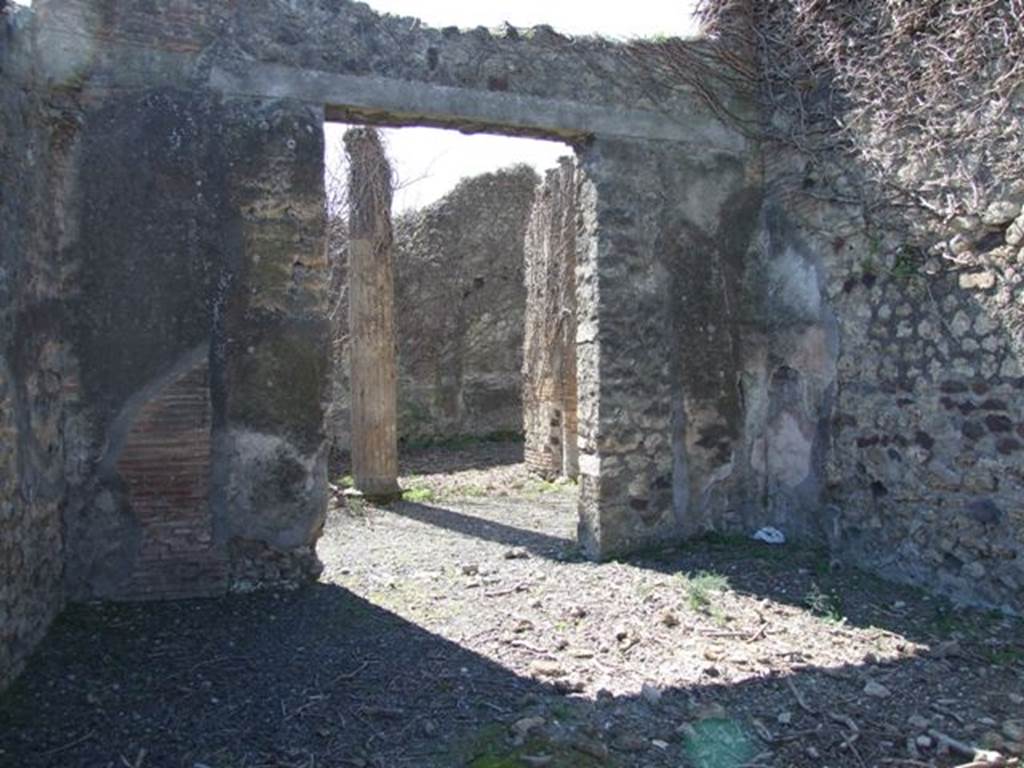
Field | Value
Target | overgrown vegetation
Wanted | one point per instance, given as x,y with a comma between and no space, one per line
926,97
825,603
418,494
701,587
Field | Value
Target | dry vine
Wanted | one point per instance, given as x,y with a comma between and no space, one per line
926,95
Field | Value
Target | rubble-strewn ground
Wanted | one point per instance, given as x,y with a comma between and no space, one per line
463,629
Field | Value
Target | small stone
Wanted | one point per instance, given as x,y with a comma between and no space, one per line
516,553
566,687
966,224
629,742
1013,730
659,743
1000,213
687,731
1015,233
668,618
523,625
923,742
784,718
712,711
1016,698
547,669
520,728
592,747
974,571
876,690
916,721
985,511
651,694
470,570
812,753
978,281
992,740
539,761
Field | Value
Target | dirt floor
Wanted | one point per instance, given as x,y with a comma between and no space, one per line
462,628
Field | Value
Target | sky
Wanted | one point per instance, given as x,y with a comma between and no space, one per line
429,162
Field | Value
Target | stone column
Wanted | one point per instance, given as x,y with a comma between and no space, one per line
371,316
549,354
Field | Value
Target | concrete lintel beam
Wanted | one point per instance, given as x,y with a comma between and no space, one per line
388,101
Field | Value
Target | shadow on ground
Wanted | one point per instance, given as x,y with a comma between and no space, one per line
801,576
535,542
447,457
320,677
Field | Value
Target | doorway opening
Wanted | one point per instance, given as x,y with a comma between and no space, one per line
481,236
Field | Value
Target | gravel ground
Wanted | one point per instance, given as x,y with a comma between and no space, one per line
464,629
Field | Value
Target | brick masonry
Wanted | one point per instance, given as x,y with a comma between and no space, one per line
165,465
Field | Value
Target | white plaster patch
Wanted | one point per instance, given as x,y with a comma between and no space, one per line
789,451
757,458
590,464
812,355
795,283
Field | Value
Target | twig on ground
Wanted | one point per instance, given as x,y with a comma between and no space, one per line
70,745
350,675
948,713
979,757
799,697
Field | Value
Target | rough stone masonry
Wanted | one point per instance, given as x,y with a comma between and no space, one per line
741,359
549,354
459,286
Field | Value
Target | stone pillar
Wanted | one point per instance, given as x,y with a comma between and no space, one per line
549,355
371,316
623,353
664,233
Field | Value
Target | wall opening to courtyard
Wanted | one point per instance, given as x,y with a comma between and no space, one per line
482,243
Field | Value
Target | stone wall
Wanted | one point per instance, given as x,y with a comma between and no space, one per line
206,425
33,360
883,364
460,302
751,348
660,262
171,350
195,308
549,353
904,384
